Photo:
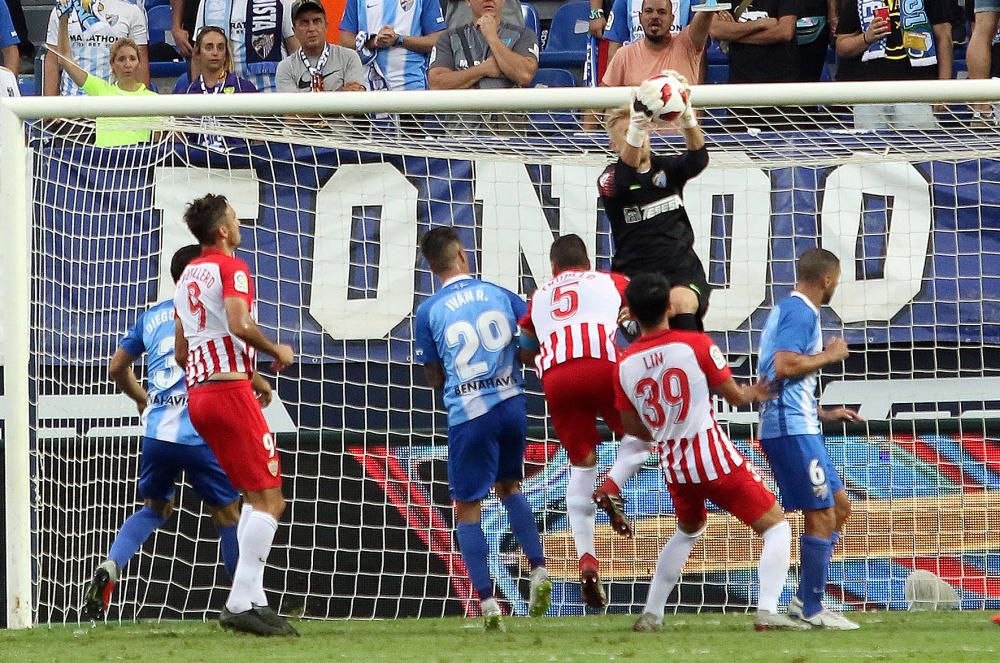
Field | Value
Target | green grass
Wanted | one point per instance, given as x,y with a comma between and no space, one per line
950,637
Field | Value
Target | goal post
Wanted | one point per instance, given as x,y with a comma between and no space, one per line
335,195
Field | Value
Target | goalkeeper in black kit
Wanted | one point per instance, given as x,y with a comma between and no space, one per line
642,196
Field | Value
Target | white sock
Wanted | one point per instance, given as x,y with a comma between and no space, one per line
632,453
241,523
668,570
580,508
774,561
255,545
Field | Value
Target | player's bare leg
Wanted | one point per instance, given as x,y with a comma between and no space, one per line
632,453
246,609
978,57
684,305
580,510
132,535
522,524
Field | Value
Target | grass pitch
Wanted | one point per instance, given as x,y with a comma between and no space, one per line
950,637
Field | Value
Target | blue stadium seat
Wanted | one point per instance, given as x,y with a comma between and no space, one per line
531,21
155,3
714,54
717,73
182,83
554,78
568,36
167,69
26,85
159,20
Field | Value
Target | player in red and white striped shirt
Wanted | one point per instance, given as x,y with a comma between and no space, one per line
215,342
574,318
663,394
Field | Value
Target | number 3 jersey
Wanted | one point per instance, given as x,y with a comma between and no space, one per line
468,327
665,377
575,316
200,304
166,415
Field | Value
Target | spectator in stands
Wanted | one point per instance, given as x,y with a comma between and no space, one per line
393,38
214,57
91,45
762,49
487,53
659,49
978,56
625,26
125,66
598,25
888,52
318,66
8,41
814,30
459,13
260,34
8,83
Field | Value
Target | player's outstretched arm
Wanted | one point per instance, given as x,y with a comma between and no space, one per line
741,394
244,328
792,364
120,370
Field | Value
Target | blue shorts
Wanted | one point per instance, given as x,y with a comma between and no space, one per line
163,461
807,479
986,6
487,449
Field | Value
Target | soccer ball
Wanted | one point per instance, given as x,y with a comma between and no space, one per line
664,97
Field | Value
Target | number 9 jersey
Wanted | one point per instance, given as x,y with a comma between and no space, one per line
200,304
468,326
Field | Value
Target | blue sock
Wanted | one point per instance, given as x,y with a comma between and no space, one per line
133,534
475,552
815,562
522,523
230,549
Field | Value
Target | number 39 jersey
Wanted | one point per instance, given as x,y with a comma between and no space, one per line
468,326
574,316
166,415
200,304
665,377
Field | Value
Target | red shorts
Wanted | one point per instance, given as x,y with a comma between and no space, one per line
229,417
578,392
741,493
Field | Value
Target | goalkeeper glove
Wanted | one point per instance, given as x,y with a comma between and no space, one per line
638,122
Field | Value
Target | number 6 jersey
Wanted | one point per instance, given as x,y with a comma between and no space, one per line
665,377
200,304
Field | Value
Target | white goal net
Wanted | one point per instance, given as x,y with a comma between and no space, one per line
333,207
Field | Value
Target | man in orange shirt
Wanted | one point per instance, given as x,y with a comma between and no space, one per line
659,50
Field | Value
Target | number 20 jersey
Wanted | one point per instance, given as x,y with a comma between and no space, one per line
200,304
666,377
468,327
166,415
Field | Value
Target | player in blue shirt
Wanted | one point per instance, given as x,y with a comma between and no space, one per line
464,337
791,354
170,444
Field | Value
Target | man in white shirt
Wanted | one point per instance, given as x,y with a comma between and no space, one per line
8,83
92,48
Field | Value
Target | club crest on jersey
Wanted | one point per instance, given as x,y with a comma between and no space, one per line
405,5
660,179
717,357
272,467
241,282
632,214
263,43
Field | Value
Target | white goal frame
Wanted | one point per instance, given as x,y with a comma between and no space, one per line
15,209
